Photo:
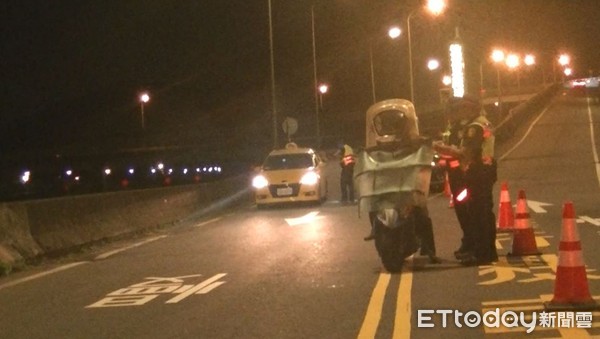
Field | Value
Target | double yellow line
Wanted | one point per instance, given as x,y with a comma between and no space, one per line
403,305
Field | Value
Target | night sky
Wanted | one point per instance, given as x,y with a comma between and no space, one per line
72,70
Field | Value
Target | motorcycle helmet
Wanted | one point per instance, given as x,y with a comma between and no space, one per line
391,121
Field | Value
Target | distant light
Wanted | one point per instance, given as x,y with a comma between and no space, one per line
513,61
529,60
107,171
568,71
394,32
433,64
457,66
197,169
68,172
446,80
497,55
131,171
160,166
564,59
77,178
144,97
185,171
436,7
25,177
323,88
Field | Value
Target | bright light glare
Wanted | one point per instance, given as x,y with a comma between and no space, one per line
25,177
394,32
433,64
144,97
529,60
568,71
436,7
310,178
497,55
457,65
107,171
447,80
564,59
323,88
259,182
462,196
513,61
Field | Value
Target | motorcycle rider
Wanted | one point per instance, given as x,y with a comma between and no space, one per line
474,148
394,130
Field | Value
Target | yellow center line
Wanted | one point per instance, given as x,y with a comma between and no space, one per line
371,321
403,304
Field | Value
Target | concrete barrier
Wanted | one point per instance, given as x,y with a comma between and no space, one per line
32,229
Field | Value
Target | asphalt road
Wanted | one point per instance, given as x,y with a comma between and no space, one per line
305,272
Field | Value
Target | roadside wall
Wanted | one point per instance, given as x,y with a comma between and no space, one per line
30,229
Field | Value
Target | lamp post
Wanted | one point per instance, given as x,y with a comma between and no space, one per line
144,98
274,111
513,62
317,88
321,90
435,7
498,58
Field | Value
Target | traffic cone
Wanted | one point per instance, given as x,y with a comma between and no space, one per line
523,242
571,289
506,217
447,191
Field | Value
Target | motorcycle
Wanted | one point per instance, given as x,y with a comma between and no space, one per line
392,177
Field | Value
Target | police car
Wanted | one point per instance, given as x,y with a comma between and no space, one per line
289,175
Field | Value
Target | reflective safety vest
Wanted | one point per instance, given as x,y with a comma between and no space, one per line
487,148
348,157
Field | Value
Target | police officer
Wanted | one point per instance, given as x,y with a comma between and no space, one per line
474,149
347,162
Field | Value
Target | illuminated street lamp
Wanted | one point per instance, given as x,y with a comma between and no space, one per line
321,90
435,7
564,60
433,64
568,71
394,32
144,98
529,60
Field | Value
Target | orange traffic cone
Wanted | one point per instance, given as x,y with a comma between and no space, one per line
506,217
447,191
570,287
523,237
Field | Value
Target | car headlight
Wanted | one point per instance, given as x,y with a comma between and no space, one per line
259,182
310,178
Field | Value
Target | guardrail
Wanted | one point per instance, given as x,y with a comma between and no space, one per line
33,229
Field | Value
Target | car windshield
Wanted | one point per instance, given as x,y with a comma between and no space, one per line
288,161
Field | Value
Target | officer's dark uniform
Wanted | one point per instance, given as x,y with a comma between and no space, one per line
347,174
470,133
456,181
480,176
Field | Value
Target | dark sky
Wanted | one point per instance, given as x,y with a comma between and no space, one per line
72,69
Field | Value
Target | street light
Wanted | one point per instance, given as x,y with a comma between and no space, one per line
498,57
435,7
272,59
144,98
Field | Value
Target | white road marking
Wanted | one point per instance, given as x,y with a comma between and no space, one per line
110,253
208,221
595,152
42,274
